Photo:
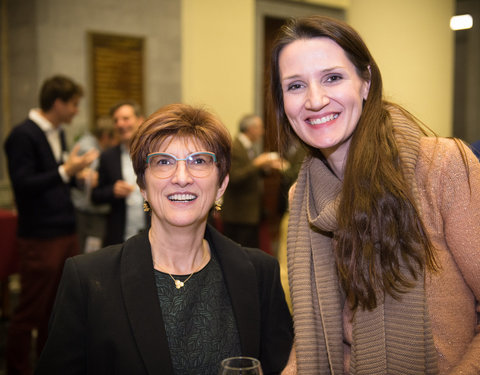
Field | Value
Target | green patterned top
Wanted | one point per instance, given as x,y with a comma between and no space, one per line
199,321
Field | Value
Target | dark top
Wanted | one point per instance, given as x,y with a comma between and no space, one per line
242,201
476,149
107,318
198,316
45,209
109,172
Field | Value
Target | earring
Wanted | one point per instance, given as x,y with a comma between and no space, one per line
146,206
218,206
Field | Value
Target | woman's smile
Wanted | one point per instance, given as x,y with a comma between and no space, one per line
322,93
327,119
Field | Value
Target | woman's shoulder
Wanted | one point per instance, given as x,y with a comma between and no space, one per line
263,263
438,143
447,165
448,151
98,259
232,249
257,253
260,258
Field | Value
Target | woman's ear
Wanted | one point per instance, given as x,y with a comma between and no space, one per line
366,85
222,187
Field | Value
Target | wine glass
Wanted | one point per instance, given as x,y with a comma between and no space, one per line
240,366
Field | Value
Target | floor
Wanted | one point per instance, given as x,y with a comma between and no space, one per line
13,289
3,335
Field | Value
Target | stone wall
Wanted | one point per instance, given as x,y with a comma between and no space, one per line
46,37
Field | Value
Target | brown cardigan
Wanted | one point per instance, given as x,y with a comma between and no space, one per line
451,213
451,216
450,209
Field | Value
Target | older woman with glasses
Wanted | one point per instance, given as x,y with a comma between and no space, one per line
180,297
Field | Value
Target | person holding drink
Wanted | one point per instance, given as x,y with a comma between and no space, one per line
180,297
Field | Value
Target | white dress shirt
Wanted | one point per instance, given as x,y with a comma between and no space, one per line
53,137
135,216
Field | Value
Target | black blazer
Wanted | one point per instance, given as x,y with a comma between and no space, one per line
110,171
107,318
43,200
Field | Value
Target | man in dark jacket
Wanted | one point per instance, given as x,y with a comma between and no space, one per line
41,173
242,202
117,184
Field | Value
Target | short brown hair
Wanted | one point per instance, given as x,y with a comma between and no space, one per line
58,87
186,122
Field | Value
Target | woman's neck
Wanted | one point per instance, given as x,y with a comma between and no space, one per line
337,158
178,251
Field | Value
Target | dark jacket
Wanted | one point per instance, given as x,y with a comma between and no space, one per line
45,209
110,171
107,318
242,201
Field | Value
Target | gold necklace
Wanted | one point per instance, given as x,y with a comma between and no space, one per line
180,284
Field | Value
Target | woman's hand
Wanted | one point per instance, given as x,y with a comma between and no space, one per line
291,192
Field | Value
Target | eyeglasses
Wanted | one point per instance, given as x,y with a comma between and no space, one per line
164,165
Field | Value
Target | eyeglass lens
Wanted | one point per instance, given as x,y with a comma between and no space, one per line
199,164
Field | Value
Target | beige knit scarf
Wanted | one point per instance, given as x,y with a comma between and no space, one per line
395,338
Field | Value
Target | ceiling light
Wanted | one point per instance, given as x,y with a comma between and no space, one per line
465,21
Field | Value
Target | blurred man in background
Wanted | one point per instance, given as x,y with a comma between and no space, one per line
242,204
42,172
117,184
91,218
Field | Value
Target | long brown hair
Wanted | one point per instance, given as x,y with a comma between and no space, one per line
381,245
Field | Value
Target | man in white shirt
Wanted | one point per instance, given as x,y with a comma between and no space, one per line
117,181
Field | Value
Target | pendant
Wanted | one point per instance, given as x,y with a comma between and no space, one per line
179,284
